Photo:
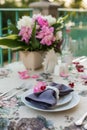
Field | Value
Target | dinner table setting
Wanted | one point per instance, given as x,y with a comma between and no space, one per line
36,100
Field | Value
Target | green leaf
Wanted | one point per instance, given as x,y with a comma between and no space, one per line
12,43
11,36
33,33
35,42
13,28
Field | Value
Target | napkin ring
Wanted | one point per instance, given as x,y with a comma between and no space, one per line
55,89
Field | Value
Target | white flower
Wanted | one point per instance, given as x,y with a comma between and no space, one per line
35,16
25,21
59,35
69,24
51,20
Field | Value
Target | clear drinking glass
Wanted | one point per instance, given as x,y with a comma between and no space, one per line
74,47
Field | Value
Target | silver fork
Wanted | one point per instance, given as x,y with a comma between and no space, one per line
24,88
9,91
85,126
13,94
80,121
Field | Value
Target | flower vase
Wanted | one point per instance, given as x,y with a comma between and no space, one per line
31,60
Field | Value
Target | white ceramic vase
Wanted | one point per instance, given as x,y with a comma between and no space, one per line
32,60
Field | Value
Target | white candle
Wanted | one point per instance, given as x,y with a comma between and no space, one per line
57,70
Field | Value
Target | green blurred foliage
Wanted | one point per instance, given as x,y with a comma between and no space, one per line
7,15
76,4
30,1
11,15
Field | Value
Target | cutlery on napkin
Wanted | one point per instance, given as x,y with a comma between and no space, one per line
47,98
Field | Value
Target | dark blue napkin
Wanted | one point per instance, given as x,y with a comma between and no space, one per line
47,99
63,89
44,100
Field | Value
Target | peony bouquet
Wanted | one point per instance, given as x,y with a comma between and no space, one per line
39,33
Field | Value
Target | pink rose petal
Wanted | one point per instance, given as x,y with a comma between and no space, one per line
35,76
24,74
39,87
64,75
84,76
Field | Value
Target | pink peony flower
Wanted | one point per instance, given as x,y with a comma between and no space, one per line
36,33
48,40
46,35
41,21
25,32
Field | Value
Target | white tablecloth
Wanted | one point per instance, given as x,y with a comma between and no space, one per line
63,118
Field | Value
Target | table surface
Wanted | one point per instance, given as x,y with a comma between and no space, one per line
15,109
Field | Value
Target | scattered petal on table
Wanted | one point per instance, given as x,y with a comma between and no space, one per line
35,76
24,74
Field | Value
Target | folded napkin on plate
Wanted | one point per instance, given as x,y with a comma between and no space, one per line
47,98
44,99
63,89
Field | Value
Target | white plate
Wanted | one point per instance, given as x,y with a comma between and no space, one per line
63,100
75,100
